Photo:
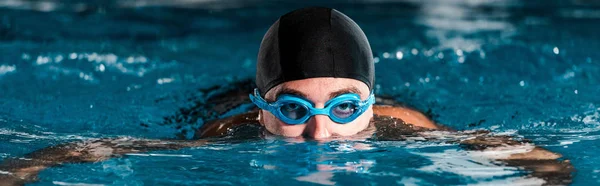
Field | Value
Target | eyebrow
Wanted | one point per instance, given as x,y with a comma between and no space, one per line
351,89
285,90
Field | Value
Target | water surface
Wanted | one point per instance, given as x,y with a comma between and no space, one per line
77,70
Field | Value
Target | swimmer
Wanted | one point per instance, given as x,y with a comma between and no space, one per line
314,79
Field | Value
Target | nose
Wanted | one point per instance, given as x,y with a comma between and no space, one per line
318,127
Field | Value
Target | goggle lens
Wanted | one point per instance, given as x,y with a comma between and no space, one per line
344,110
293,111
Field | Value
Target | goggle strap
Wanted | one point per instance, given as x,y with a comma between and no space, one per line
259,102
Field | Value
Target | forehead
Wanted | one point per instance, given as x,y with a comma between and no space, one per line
320,88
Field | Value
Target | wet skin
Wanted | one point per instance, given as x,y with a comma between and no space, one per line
319,91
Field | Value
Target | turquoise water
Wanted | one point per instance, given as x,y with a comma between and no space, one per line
78,70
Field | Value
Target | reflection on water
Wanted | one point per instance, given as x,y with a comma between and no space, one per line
98,63
81,6
5,69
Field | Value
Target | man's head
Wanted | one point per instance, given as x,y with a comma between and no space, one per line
316,54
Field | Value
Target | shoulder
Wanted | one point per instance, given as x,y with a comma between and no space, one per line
222,127
408,115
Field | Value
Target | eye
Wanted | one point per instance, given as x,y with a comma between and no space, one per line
344,110
293,110
291,107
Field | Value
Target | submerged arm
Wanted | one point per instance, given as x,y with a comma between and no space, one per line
541,162
392,125
18,171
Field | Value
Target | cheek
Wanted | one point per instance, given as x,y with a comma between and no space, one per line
270,122
277,127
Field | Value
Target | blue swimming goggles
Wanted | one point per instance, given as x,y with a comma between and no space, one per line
295,110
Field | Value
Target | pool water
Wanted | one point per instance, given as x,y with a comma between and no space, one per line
80,70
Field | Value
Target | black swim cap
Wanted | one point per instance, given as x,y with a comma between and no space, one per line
313,42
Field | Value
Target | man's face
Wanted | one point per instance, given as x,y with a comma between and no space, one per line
318,91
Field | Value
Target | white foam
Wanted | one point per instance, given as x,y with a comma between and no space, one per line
164,80
129,65
20,141
465,163
5,69
591,118
161,155
11,132
75,184
5,131
410,181
518,181
568,141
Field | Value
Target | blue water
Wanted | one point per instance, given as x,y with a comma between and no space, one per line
79,70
